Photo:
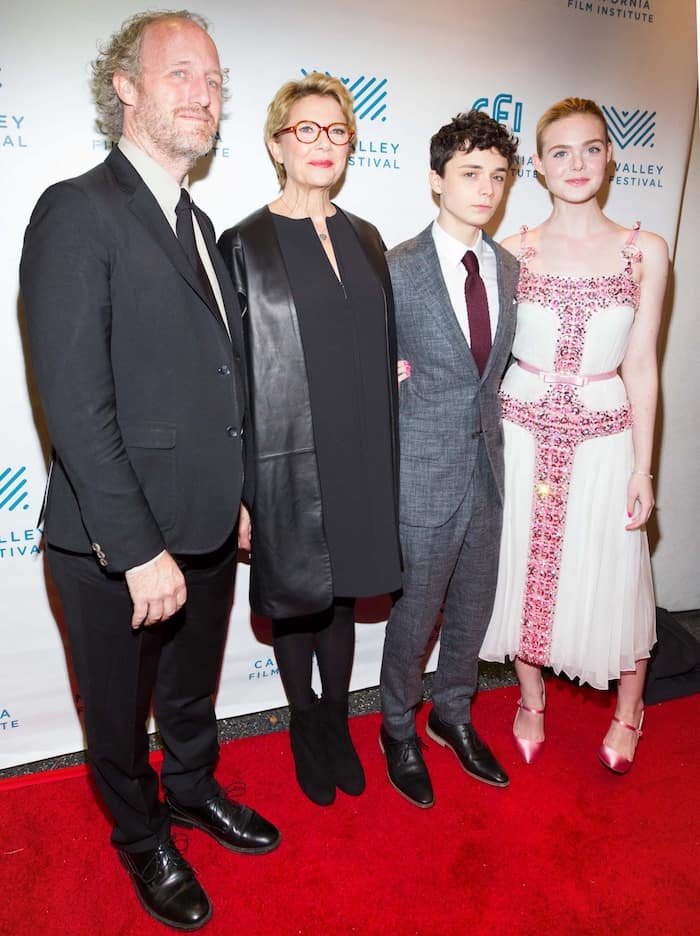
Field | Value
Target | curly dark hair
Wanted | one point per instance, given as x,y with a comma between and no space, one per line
470,131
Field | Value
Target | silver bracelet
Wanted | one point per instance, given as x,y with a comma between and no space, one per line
644,474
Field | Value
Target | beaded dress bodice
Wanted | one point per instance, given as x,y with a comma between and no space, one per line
574,305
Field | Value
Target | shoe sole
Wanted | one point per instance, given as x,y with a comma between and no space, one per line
240,850
408,798
441,741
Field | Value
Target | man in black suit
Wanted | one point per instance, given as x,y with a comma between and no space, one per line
135,339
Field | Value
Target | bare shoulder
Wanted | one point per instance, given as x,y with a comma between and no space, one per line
654,265
654,248
528,235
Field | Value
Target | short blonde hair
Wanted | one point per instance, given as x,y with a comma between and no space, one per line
293,91
568,107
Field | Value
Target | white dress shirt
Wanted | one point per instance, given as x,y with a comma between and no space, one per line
450,252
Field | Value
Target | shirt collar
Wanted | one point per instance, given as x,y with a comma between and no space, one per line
163,186
453,250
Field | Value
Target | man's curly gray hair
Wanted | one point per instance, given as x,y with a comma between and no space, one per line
122,54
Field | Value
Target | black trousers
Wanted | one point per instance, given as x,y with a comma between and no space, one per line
176,664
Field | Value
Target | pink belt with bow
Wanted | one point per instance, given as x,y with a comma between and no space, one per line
576,380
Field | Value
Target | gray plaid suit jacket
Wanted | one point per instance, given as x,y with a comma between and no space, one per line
444,406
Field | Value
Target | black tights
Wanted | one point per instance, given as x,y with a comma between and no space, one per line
331,635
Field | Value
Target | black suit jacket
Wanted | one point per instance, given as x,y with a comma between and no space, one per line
142,388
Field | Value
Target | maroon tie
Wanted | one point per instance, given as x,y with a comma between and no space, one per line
477,312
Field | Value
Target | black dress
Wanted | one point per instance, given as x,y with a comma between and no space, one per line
343,335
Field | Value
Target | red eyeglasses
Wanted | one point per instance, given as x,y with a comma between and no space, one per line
308,131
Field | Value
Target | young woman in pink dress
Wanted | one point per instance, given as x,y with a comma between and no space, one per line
579,403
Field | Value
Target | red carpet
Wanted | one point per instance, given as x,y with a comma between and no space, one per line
567,847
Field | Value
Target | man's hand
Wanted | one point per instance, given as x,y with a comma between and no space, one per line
244,529
158,590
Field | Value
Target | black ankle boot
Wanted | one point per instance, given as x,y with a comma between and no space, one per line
310,758
345,767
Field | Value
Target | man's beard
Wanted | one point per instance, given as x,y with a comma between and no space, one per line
189,142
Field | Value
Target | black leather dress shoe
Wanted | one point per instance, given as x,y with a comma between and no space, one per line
233,825
166,886
474,756
406,769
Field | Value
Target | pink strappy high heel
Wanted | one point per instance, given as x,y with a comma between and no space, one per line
611,758
529,750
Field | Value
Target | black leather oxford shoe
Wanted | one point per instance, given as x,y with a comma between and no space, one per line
474,756
233,825
406,769
166,886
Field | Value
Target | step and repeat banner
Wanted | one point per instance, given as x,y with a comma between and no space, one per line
411,66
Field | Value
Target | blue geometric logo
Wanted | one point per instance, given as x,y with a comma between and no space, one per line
13,490
501,110
631,128
369,95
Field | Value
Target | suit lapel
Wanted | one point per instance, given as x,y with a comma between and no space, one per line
505,304
143,204
228,295
430,284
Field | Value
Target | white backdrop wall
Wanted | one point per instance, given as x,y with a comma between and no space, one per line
411,65
676,558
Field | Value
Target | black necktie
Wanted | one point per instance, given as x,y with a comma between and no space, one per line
184,228
477,312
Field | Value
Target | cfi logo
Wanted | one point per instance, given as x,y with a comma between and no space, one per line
13,489
369,95
630,127
501,110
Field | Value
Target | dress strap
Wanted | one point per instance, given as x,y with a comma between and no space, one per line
630,251
526,251
634,234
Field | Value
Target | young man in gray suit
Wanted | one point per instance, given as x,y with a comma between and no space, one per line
454,291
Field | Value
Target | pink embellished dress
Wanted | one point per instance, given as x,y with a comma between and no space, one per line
574,587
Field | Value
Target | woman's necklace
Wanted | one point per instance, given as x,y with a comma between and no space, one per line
322,234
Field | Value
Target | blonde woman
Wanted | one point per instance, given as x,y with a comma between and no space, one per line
320,335
575,590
